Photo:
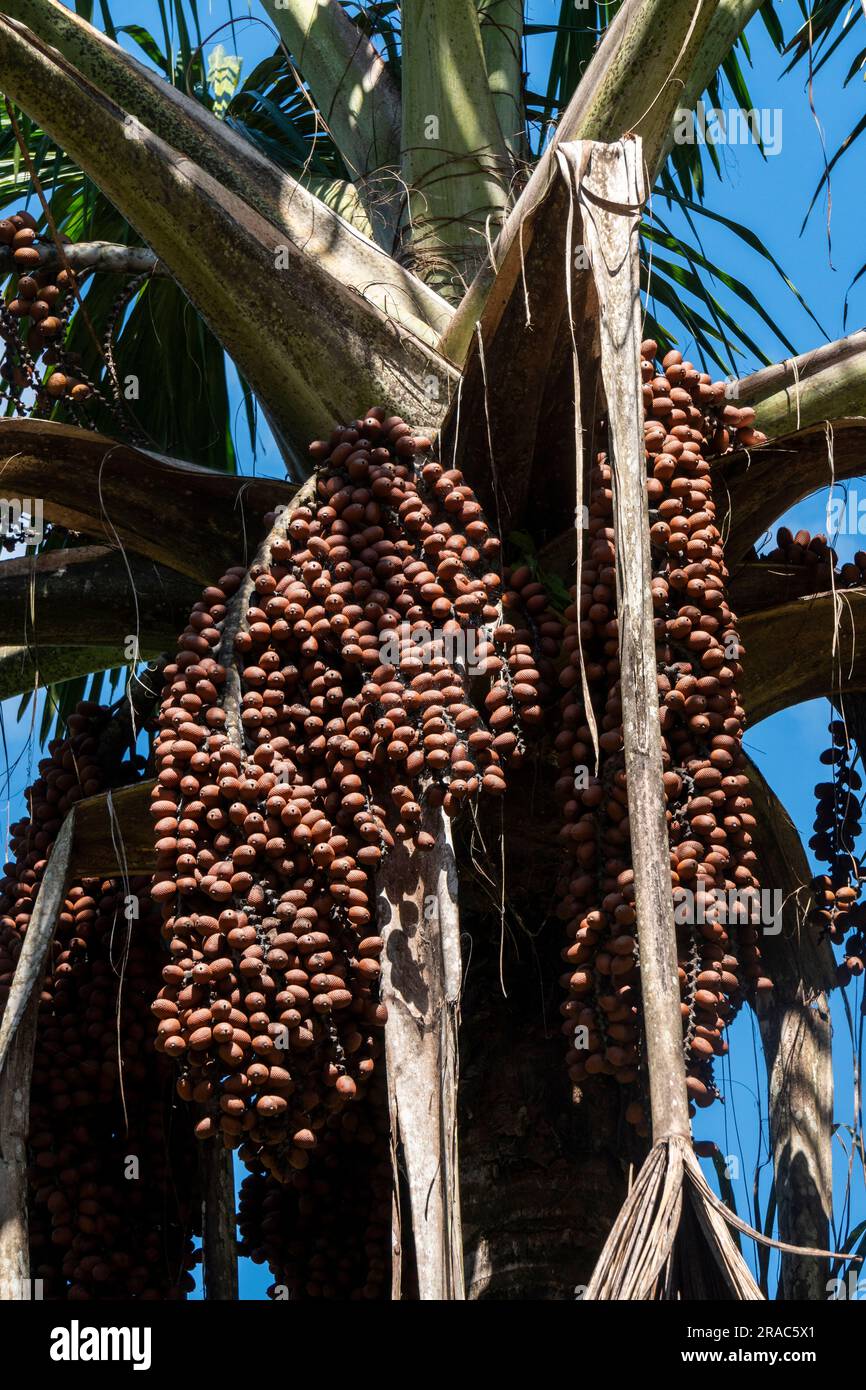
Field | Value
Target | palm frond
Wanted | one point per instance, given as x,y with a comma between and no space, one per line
690,279
275,111
692,210
831,163
578,31
857,276
711,341
772,24
819,30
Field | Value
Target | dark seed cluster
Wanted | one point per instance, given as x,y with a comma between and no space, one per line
34,322
816,554
111,1178
837,910
114,1203
708,807
376,664
71,771
327,1234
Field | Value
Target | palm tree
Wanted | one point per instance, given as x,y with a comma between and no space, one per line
379,213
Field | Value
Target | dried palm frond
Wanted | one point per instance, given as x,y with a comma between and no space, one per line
670,1240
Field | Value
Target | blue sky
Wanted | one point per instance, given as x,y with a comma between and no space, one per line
771,197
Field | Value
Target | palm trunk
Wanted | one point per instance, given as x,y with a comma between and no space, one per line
797,1038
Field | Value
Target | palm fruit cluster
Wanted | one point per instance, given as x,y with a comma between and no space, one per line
34,322
70,771
327,1234
112,1185
838,911
114,1204
356,717
706,790
815,553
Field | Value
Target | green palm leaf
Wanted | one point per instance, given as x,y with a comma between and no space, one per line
846,144
749,238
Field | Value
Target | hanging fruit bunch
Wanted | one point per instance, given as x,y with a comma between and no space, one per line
34,322
709,813
328,1233
816,554
114,1202
70,771
353,719
356,720
836,894
111,1177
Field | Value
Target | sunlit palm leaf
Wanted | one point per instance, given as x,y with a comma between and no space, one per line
772,24
846,144
828,25
826,22
859,276
381,22
664,283
756,244
691,280
277,114
149,47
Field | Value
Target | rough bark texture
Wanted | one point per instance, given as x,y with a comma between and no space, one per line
219,1235
40,933
190,519
421,979
542,1165
300,211
797,1037
828,383
309,347
93,596
541,1177
791,655
613,195
24,669
118,818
